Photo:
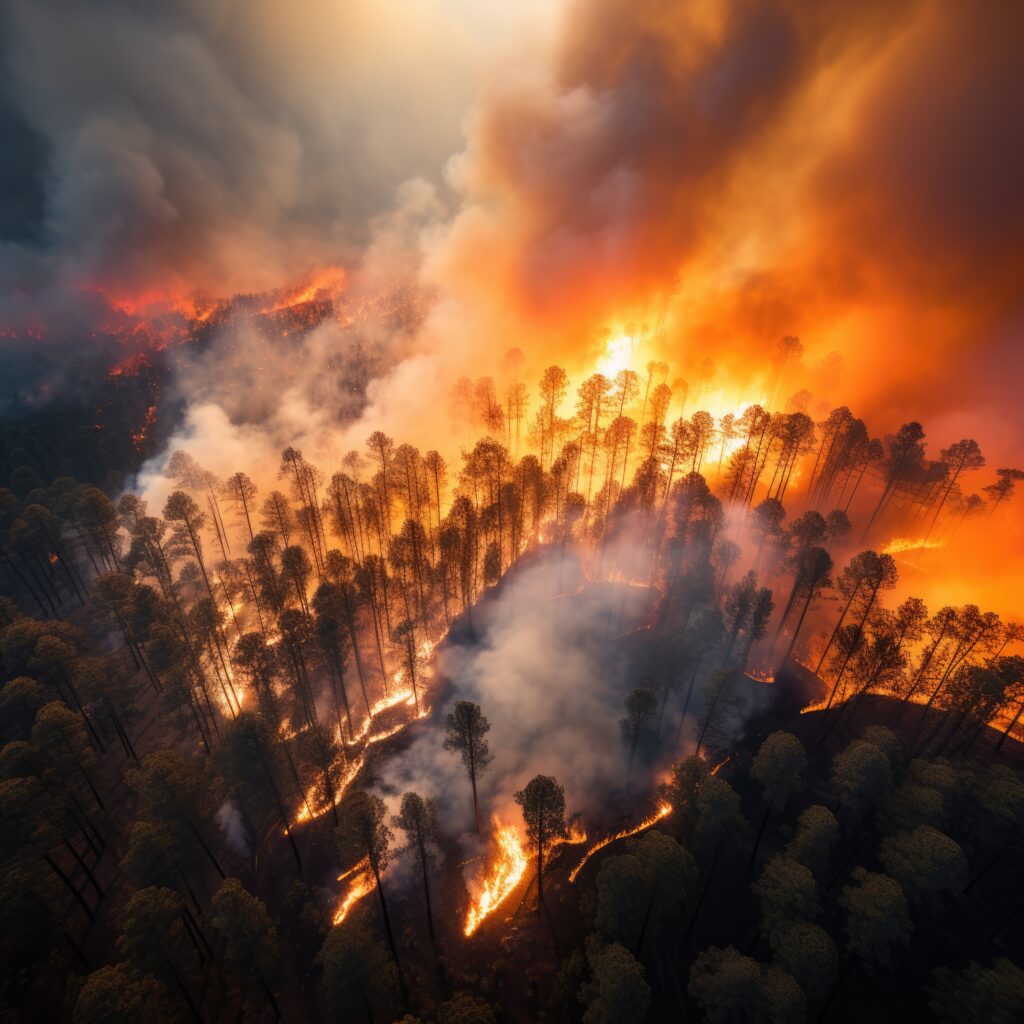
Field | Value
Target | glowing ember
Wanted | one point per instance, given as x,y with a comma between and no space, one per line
139,437
505,873
662,811
762,675
360,883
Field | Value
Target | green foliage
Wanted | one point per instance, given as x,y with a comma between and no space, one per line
33,902
979,995
731,988
637,890
356,967
152,855
779,766
688,775
617,992
463,1008
718,816
720,706
417,818
152,937
467,727
250,939
884,738
806,951
999,800
171,787
787,892
817,833
20,699
861,776
61,733
877,920
641,707
911,804
115,994
565,987
926,863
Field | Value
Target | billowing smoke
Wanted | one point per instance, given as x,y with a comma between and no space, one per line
719,174
229,147
551,674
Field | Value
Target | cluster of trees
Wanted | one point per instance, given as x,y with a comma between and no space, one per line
183,685
854,885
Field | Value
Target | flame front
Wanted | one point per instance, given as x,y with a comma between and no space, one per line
663,810
898,545
505,873
360,883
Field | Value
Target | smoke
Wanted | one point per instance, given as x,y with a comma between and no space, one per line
705,177
227,146
719,173
230,821
551,675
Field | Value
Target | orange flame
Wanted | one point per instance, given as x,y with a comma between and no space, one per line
361,883
326,283
506,872
900,544
663,810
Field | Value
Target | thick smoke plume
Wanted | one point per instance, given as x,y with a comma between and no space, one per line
551,675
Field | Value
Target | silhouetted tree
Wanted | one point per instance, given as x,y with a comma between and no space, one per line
417,818
465,734
543,804
361,832
641,707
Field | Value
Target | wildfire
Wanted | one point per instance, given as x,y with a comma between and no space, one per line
664,809
139,437
577,834
360,883
386,734
130,366
765,675
506,871
898,545
817,706
327,283
352,769
618,355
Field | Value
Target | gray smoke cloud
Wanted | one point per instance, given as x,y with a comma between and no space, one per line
551,675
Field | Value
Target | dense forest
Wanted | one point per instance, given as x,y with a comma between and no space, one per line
812,807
